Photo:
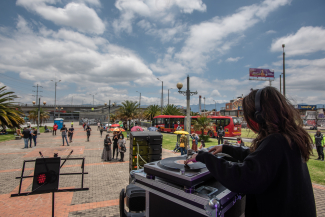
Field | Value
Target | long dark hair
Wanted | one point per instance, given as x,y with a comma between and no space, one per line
280,117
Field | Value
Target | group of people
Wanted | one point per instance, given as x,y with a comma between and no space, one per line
28,135
118,146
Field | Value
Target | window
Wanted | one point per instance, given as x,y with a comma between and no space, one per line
159,120
227,106
237,121
227,122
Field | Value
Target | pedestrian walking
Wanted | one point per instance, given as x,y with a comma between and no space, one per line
195,141
64,131
88,129
107,152
25,134
34,136
101,131
221,134
30,136
115,146
70,133
55,128
183,143
121,147
98,126
319,142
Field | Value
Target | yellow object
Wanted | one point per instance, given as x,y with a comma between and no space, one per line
181,132
182,145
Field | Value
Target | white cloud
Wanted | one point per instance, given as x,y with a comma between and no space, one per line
215,93
70,56
161,11
214,37
306,40
174,33
270,32
231,59
75,15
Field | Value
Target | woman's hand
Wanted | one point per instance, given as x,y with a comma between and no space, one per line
216,149
192,159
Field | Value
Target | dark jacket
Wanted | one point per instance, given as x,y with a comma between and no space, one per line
221,132
274,178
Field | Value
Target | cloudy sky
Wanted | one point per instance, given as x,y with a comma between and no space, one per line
111,49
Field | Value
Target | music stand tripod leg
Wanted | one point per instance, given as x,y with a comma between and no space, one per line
52,203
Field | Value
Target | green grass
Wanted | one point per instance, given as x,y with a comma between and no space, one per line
316,169
11,136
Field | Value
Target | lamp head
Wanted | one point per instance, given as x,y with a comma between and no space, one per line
44,103
105,104
34,102
179,85
283,45
61,108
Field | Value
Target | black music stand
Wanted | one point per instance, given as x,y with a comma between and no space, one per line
46,176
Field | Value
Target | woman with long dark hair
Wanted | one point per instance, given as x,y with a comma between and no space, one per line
273,173
107,151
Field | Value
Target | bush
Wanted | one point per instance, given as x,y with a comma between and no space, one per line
205,138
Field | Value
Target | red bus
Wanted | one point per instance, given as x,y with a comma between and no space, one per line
169,123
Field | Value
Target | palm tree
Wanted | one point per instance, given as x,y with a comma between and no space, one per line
152,111
44,116
129,110
10,114
113,118
171,109
202,123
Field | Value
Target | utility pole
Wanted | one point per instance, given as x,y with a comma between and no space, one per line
39,113
139,99
280,85
37,92
204,103
215,107
284,74
93,98
188,95
168,95
55,84
162,95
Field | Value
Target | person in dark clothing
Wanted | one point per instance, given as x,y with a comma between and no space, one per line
64,131
115,146
120,134
273,173
88,129
221,134
34,135
70,133
25,134
319,142
107,153
240,142
101,130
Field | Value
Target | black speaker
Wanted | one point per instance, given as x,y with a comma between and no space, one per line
46,175
135,198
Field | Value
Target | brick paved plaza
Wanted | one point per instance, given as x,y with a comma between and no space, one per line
105,179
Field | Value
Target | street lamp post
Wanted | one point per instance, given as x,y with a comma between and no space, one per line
204,104
139,99
188,95
109,110
284,74
93,98
168,95
280,84
55,84
60,108
215,107
162,95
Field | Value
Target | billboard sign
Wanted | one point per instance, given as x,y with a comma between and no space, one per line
307,107
260,73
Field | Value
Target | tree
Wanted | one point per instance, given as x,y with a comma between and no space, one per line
128,110
193,113
113,118
33,115
10,114
171,109
202,123
152,111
